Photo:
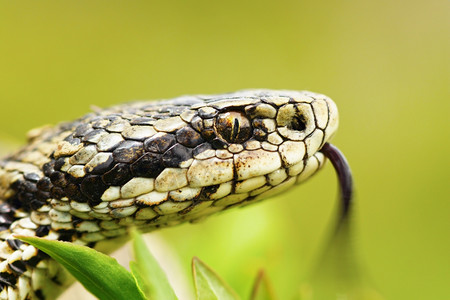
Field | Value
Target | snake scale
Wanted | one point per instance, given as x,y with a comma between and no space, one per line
151,165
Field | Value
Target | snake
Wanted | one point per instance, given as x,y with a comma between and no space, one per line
150,165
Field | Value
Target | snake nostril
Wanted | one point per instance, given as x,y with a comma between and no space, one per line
297,123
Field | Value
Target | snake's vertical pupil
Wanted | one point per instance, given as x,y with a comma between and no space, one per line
233,126
235,131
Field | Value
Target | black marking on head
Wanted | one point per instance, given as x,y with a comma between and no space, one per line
201,148
176,155
93,187
82,130
208,134
159,143
128,151
149,165
189,137
259,134
219,144
104,166
118,175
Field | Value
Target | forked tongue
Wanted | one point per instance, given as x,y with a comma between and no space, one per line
338,273
344,174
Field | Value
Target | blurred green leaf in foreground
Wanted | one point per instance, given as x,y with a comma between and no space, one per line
100,274
154,281
336,276
106,279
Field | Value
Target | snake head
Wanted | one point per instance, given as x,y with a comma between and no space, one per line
259,142
156,164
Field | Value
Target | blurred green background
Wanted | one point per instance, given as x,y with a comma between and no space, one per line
385,63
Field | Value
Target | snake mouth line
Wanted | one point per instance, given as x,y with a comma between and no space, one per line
345,178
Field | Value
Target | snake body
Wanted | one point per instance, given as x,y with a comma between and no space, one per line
151,165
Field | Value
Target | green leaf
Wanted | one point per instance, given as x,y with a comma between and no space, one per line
208,285
140,282
100,274
154,281
262,289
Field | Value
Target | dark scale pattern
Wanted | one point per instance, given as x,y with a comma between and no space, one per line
160,144
35,204
93,135
197,124
93,187
218,143
33,177
6,215
72,191
207,191
118,175
58,179
103,167
42,230
149,165
201,148
14,244
55,184
49,168
18,267
8,278
128,152
57,192
209,134
82,130
189,137
176,155
42,195
44,184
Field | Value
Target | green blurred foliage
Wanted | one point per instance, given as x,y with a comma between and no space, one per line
385,63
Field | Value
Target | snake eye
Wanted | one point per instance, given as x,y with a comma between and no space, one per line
233,126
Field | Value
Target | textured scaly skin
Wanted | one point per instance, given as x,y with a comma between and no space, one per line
151,165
